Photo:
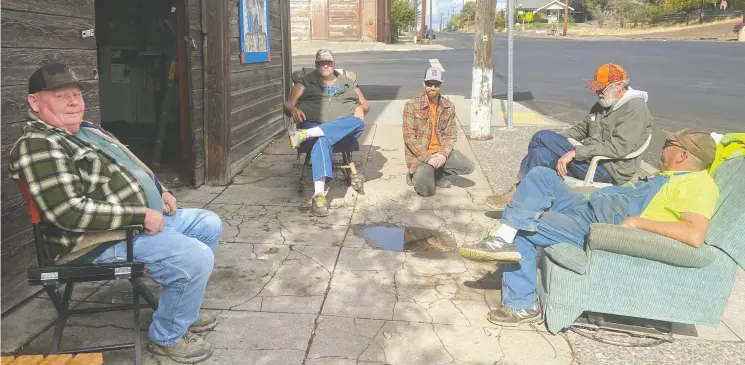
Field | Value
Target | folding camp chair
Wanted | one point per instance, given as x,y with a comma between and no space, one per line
50,276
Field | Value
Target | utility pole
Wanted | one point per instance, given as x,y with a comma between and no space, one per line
432,10
483,70
510,86
424,17
566,17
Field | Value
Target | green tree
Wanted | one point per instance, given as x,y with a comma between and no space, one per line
599,9
403,16
468,13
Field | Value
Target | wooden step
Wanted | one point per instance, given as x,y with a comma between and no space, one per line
81,359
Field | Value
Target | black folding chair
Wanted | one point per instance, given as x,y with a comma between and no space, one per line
51,276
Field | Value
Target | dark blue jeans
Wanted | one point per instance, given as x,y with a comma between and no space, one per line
545,149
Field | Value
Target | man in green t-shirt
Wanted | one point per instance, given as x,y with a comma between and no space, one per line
677,202
328,107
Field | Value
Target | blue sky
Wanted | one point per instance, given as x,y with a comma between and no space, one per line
446,6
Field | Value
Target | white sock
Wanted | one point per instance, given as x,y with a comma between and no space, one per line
320,186
506,233
315,132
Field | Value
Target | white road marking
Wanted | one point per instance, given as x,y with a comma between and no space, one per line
434,62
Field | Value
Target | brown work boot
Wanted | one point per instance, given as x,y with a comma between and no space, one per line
190,349
204,323
499,202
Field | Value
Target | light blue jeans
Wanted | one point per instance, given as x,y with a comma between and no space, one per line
180,258
333,132
546,211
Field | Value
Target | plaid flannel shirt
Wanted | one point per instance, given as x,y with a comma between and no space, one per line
80,191
417,129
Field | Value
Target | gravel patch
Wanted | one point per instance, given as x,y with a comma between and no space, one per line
500,156
689,352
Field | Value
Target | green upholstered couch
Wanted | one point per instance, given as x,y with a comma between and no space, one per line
640,274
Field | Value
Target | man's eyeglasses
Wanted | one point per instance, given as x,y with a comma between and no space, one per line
669,143
432,83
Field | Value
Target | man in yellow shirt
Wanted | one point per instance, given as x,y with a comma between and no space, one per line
430,132
676,202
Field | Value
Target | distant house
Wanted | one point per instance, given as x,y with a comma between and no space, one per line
341,20
553,10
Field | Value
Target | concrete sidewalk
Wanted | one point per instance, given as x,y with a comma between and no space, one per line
309,48
293,289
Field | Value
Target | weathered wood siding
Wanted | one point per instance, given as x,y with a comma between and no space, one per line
257,91
370,19
196,79
300,10
345,20
35,32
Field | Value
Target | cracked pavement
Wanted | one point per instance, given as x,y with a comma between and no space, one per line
293,289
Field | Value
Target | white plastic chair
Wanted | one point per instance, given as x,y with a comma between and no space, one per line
588,181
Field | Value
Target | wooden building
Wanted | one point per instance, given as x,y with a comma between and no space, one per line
341,20
170,63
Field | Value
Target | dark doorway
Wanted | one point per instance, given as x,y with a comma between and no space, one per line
138,64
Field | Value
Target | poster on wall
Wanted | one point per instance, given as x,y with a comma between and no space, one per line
254,18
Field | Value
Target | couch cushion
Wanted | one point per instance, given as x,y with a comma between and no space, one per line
568,256
728,224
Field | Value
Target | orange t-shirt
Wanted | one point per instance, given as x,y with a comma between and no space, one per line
434,144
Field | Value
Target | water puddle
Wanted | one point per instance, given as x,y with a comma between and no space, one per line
405,239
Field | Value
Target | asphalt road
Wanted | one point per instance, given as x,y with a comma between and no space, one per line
690,84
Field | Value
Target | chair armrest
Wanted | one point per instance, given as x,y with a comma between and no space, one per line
647,245
131,227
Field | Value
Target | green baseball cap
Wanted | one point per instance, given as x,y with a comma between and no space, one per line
700,144
54,76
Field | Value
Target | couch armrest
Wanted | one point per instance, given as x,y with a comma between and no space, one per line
647,245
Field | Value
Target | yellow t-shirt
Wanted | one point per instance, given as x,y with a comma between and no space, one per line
434,144
694,192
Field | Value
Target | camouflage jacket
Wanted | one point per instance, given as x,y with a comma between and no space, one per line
417,129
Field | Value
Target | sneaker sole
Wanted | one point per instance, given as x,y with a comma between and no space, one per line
534,319
320,214
193,360
478,255
494,207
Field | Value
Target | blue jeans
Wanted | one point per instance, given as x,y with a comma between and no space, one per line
335,131
180,258
545,149
546,211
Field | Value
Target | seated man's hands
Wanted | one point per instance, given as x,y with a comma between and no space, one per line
437,160
630,222
297,115
169,203
561,165
359,112
154,222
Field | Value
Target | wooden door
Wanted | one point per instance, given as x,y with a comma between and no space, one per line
319,19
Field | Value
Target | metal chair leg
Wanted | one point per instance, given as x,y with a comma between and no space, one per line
346,159
302,171
62,315
146,294
136,330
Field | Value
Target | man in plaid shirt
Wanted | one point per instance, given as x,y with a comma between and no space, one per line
429,135
87,184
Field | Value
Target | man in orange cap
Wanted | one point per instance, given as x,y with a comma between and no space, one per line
617,125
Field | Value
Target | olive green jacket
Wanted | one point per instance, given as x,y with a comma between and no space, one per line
319,106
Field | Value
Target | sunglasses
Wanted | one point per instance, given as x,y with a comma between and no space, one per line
669,143
432,83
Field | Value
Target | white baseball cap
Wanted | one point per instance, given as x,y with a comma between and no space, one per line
433,74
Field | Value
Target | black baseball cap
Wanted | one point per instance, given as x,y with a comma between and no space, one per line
54,76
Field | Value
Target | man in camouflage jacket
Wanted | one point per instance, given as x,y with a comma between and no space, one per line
430,132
